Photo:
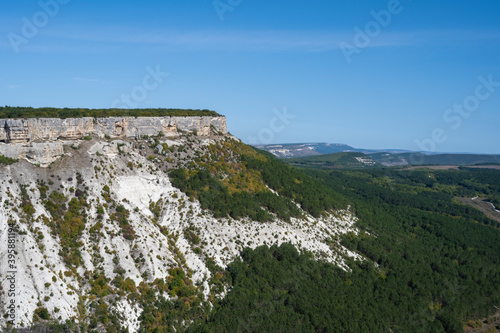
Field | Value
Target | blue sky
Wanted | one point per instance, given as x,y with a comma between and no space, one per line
372,74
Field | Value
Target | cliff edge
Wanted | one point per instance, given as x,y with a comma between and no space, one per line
52,129
40,140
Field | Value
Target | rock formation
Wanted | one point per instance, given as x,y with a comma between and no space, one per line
40,140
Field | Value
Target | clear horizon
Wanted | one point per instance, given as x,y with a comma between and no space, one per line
413,75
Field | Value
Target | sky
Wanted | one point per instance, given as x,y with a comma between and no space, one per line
401,74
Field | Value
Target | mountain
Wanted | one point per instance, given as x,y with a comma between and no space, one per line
381,157
110,221
291,150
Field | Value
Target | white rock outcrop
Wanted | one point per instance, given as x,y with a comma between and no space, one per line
44,279
42,153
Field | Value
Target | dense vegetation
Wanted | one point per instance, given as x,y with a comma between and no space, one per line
337,161
226,192
349,160
425,239
437,263
29,112
278,290
437,159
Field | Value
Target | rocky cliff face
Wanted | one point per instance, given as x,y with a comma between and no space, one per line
104,233
40,140
52,129
40,153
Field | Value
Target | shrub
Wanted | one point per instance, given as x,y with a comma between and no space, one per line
41,313
7,160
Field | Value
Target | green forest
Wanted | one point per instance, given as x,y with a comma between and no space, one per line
345,160
29,112
357,160
415,158
432,264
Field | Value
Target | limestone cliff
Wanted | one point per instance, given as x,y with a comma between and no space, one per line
40,140
52,129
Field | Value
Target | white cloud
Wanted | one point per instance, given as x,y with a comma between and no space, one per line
90,80
107,39
82,79
245,40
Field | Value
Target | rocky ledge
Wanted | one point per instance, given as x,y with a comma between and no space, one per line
40,140
52,129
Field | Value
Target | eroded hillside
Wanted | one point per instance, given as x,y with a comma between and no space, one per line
102,233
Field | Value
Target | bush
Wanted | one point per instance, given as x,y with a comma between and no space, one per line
7,161
41,313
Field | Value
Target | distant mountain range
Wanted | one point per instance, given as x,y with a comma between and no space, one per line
342,155
290,150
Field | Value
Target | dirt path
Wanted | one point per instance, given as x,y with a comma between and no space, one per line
486,207
486,325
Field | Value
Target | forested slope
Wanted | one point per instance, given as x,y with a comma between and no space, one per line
433,266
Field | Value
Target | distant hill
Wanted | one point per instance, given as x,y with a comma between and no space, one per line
290,150
349,160
415,158
356,160
325,154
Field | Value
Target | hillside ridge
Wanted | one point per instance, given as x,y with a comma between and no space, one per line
126,226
